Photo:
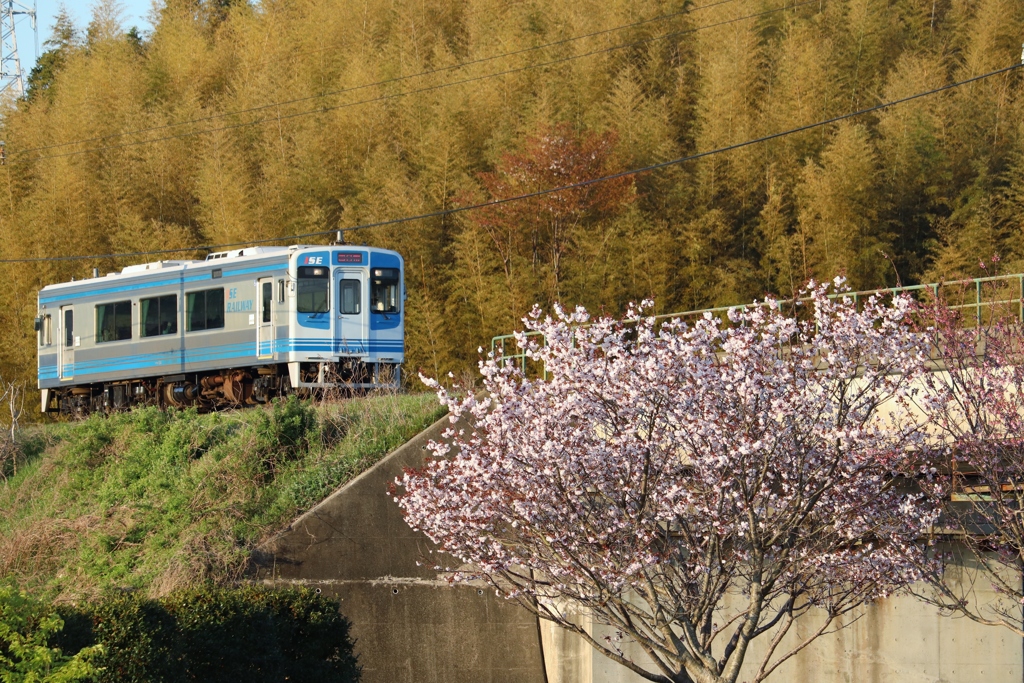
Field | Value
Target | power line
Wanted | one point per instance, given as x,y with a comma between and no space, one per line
397,79
540,193
416,91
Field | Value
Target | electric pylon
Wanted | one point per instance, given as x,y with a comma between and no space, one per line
12,79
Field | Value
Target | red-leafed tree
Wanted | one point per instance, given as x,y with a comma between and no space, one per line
694,488
537,233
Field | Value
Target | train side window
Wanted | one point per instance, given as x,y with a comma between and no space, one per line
348,296
44,329
159,315
114,321
69,328
205,310
268,298
280,291
384,290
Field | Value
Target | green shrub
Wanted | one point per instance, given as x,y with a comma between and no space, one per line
137,636
280,434
213,634
27,627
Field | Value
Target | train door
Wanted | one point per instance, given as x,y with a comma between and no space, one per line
66,362
265,324
350,316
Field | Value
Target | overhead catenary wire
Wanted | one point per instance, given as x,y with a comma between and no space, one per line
388,81
539,193
416,91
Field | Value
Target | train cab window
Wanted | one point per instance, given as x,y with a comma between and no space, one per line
159,315
349,301
205,310
268,298
384,290
114,321
313,292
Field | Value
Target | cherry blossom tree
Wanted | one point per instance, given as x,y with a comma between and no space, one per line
975,403
694,487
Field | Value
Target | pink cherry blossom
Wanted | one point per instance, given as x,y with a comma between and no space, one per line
694,486
975,407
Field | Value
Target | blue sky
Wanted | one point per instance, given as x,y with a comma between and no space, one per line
134,14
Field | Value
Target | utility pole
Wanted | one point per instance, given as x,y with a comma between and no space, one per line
11,77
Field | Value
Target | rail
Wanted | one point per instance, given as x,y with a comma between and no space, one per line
997,284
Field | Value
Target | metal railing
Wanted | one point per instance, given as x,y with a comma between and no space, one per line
975,288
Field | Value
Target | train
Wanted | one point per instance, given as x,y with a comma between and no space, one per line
238,328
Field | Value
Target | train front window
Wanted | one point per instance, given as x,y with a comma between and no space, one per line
312,293
114,321
384,290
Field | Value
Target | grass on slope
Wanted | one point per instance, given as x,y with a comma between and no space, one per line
158,501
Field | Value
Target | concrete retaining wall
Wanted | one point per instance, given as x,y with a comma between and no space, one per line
898,640
410,627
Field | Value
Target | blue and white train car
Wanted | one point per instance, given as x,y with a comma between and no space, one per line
239,327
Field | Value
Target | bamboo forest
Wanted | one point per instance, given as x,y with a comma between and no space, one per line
232,122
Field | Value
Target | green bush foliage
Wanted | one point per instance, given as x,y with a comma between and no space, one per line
27,627
215,634
158,501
